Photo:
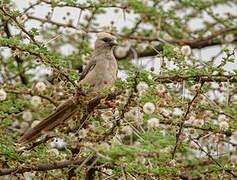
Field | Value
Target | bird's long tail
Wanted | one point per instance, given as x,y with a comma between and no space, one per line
61,114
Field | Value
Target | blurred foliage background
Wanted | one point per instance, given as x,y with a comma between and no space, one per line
176,117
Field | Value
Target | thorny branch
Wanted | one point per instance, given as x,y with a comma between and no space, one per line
203,78
121,116
17,58
44,167
33,94
210,156
21,27
184,119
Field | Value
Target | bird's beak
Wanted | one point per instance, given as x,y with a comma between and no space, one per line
113,43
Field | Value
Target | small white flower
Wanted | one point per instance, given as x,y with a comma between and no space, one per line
149,108
142,86
27,116
127,130
24,125
186,50
121,52
29,175
161,88
3,95
153,123
229,38
224,125
83,133
34,123
35,101
40,86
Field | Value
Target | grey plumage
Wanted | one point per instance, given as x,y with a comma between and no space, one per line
100,73
102,70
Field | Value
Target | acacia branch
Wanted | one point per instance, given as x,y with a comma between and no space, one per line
194,43
20,26
47,61
203,78
18,60
178,134
84,7
121,116
32,94
45,167
53,22
39,142
210,156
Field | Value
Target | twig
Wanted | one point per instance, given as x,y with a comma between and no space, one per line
21,27
43,167
210,156
32,94
183,120
38,143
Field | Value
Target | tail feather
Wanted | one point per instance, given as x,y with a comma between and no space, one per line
61,114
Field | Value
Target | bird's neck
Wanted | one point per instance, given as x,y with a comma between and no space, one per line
103,51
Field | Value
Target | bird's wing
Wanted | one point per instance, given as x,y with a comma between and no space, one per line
88,68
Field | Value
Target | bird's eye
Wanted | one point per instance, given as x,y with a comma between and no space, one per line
106,39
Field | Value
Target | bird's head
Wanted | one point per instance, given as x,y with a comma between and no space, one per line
105,41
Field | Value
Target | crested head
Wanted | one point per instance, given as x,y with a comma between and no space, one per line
105,41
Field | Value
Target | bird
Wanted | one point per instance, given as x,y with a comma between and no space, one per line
99,74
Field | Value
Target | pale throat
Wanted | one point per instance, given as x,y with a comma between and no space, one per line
108,51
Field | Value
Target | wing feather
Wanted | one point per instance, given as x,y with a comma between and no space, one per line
88,68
